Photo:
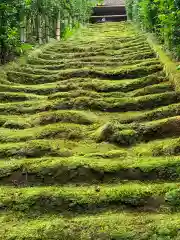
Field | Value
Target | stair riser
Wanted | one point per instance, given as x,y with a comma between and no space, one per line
102,11
108,19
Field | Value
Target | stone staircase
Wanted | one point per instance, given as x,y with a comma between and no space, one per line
111,10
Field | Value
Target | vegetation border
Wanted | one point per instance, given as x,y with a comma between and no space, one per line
171,67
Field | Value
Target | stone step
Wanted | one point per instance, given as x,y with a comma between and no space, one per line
109,18
109,10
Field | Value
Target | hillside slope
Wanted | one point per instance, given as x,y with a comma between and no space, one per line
90,141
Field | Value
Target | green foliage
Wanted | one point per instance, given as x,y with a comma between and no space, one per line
159,16
173,197
129,8
17,15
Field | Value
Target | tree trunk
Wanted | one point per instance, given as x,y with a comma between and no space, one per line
66,22
70,23
58,26
22,38
3,47
39,29
23,31
74,21
47,28
22,25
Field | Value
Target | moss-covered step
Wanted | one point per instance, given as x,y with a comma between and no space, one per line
142,55
95,84
126,72
112,104
57,130
128,134
39,89
34,148
111,166
107,226
165,147
53,68
90,198
106,104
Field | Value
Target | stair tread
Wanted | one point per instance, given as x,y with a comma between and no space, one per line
104,16
113,2
110,6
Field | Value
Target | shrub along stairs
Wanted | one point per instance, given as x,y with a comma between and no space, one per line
90,141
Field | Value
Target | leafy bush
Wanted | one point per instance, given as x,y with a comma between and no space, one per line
159,16
173,197
37,21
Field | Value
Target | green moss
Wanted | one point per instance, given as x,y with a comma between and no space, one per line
69,47
126,72
74,94
165,147
108,225
16,124
36,148
68,131
113,154
118,104
27,78
160,129
123,85
71,116
13,121
49,67
105,131
25,107
40,89
57,130
128,134
10,96
80,198
108,167
158,113
157,88
36,71
125,137
116,133
88,112
129,48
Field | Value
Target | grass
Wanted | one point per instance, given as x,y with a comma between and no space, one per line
90,141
